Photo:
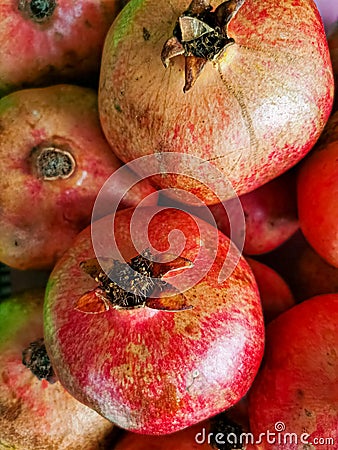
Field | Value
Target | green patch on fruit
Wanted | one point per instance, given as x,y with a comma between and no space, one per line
6,103
13,315
47,316
124,22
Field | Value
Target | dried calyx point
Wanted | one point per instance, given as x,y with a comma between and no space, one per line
36,359
52,163
134,284
37,10
200,35
225,434
135,281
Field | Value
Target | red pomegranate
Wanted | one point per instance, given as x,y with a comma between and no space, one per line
258,89
303,269
52,41
146,369
35,414
270,214
54,161
275,294
295,396
318,195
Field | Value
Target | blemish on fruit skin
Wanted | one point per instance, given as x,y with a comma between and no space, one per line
39,134
11,412
82,178
146,34
117,107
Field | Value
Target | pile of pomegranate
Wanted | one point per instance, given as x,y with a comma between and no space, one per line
173,168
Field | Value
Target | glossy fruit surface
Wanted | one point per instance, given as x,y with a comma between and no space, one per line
296,389
151,371
54,160
253,112
35,414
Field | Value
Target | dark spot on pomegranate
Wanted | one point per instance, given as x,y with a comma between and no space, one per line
52,163
38,10
12,412
35,358
308,413
225,434
146,34
118,107
5,377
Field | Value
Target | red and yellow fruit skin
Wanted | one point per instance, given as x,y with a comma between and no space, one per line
318,195
65,48
35,414
39,218
297,384
156,372
275,294
253,114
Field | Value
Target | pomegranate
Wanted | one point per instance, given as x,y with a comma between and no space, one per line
258,88
304,270
116,350
36,414
318,195
313,275
295,394
54,160
270,215
276,296
49,41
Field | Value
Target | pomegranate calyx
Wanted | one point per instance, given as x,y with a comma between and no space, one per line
201,35
35,358
39,11
225,434
135,284
52,163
